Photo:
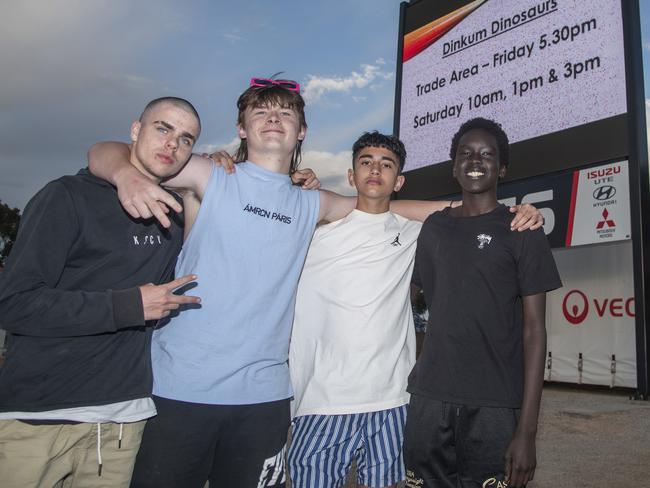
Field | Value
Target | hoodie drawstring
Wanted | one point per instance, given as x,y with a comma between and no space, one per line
99,449
99,445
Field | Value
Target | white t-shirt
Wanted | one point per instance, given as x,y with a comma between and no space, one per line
119,413
353,340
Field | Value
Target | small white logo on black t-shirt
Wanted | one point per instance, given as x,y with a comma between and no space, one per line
147,240
483,240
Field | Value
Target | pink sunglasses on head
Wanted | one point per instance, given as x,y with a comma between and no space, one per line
287,84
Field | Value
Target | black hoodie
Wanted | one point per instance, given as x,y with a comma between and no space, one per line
70,301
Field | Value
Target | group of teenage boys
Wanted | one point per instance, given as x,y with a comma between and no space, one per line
89,362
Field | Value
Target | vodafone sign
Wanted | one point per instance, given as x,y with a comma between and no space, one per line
576,307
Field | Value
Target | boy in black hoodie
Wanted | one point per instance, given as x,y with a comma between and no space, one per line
78,300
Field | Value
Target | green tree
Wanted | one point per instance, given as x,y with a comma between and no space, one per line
9,220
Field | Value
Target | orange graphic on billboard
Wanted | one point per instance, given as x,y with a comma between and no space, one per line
418,40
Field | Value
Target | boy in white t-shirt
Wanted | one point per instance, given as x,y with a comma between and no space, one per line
353,341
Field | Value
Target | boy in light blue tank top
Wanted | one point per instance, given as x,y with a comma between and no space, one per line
220,371
253,223
221,382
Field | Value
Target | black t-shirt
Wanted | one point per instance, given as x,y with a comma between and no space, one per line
474,271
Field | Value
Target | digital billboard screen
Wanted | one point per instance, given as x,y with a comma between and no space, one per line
551,72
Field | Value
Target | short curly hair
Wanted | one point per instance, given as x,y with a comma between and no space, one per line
489,126
377,139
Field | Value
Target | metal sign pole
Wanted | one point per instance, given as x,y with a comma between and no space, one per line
639,190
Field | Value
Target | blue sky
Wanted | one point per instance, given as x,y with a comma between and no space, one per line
78,71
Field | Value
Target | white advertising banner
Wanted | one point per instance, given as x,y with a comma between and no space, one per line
600,205
536,66
590,320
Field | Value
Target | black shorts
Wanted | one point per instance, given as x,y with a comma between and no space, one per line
238,446
449,445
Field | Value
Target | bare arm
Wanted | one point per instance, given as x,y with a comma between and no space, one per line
334,206
527,217
140,196
191,206
521,457
107,159
418,209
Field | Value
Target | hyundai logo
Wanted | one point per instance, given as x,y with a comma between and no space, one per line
605,192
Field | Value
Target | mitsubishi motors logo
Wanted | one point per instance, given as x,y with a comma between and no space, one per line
575,307
605,222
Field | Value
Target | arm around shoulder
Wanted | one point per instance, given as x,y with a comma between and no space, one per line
193,176
418,209
141,196
334,206
109,160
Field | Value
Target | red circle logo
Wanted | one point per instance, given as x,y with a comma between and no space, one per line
575,309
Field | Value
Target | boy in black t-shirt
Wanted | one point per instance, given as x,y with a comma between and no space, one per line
477,385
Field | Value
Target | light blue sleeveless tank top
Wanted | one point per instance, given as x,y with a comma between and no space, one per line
247,246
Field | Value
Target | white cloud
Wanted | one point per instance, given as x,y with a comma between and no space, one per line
377,117
233,36
331,169
318,86
211,147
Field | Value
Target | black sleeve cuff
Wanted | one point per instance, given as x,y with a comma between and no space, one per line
127,308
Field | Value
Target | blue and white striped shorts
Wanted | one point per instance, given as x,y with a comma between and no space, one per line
323,447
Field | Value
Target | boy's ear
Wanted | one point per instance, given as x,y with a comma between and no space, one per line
351,178
241,132
135,130
502,171
399,182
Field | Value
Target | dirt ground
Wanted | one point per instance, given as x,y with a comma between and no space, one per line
591,438
597,438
